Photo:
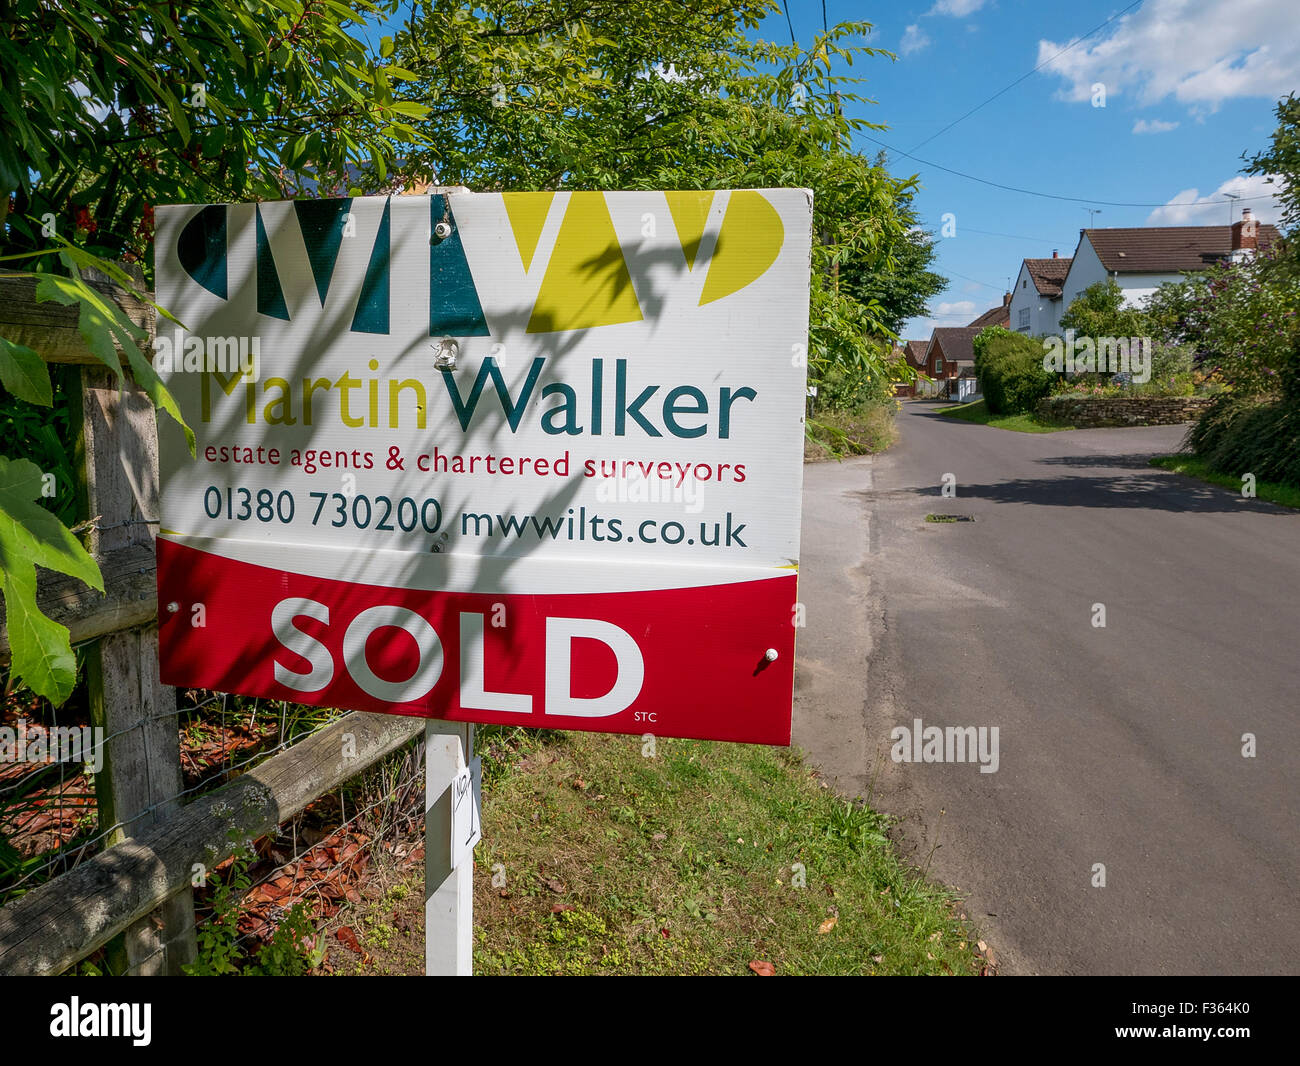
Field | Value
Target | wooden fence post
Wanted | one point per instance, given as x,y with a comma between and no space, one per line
141,780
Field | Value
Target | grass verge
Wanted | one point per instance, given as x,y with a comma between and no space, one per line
1190,466
604,854
623,855
863,431
978,412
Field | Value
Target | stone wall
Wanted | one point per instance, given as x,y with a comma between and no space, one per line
1088,412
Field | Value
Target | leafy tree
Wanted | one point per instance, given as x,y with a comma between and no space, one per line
1279,271
601,95
1281,163
111,107
905,290
114,106
1245,318
1099,311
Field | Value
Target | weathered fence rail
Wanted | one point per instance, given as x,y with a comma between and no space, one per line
65,919
138,889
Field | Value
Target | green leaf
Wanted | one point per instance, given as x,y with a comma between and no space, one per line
407,107
30,533
25,374
40,650
53,287
29,537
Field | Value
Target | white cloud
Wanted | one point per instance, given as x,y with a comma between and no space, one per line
963,309
1153,126
1189,208
1200,52
914,39
956,8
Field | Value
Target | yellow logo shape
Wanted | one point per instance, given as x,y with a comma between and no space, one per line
587,281
527,212
690,211
748,243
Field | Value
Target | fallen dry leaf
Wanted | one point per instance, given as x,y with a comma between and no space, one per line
560,908
826,926
762,967
348,938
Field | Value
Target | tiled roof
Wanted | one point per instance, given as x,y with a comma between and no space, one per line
994,316
1166,249
915,352
1048,274
956,342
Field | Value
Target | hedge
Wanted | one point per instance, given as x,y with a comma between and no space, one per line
1010,370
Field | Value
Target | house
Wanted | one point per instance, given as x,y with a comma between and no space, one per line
914,354
950,362
996,316
1140,259
1144,258
1036,306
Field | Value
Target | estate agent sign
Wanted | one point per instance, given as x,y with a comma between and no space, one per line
531,458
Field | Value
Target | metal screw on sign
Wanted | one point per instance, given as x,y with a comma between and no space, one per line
770,655
173,607
448,349
442,230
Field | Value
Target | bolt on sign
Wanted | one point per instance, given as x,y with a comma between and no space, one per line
531,459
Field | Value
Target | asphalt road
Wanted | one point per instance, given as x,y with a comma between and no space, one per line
1120,745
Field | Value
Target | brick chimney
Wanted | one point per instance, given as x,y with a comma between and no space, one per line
1245,234
1006,299
1056,254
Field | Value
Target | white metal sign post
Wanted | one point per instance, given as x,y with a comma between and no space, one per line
526,459
451,829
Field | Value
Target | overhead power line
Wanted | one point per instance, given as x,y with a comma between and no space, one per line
1028,73
1028,192
1017,236
996,288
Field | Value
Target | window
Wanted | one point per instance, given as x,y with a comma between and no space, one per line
1024,284
938,364
1023,324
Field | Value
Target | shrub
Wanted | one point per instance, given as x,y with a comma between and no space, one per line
1010,369
869,428
1239,435
1100,311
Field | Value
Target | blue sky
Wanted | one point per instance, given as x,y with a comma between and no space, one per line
1189,85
